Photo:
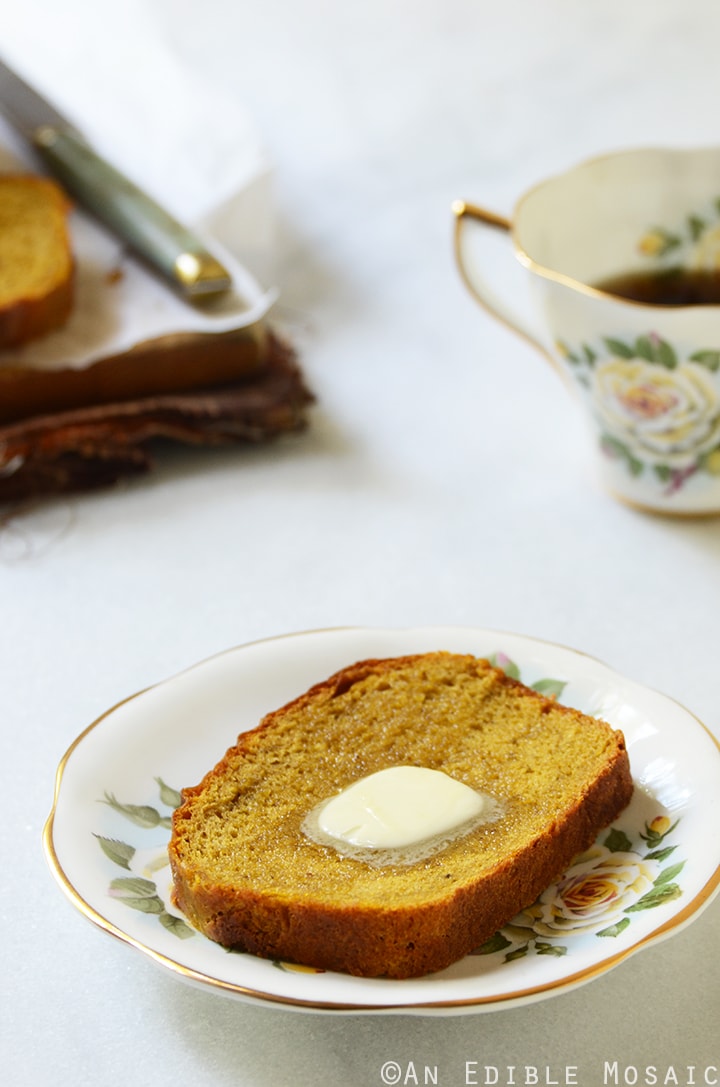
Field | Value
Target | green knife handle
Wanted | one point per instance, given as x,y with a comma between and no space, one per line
162,241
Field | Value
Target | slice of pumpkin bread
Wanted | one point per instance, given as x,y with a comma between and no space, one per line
36,261
248,875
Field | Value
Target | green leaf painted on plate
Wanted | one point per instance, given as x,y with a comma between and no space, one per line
617,841
551,688
616,929
137,893
661,854
509,667
145,905
543,948
119,852
518,953
657,897
169,796
498,942
133,887
176,925
141,814
669,874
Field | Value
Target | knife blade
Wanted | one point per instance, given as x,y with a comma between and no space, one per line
166,244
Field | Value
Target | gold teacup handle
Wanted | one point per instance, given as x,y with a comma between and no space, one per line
479,289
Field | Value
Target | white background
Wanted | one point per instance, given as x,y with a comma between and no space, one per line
445,479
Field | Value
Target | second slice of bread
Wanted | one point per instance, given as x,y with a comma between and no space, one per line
36,263
247,875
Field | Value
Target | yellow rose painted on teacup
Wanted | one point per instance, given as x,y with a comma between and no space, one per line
658,242
594,893
656,410
661,416
693,242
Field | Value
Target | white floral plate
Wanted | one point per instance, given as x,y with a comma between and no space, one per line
646,877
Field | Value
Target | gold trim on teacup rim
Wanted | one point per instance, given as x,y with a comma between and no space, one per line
465,209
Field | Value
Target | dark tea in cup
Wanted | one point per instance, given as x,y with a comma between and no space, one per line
667,287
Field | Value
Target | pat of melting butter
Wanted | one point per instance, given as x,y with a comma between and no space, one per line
399,807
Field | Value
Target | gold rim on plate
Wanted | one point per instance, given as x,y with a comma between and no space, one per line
503,1000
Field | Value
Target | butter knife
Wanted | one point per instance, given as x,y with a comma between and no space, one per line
168,246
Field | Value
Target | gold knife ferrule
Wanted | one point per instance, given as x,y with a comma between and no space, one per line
201,273
45,136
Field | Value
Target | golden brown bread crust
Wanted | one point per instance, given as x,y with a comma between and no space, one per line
175,363
97,445
36,262
30,318
391,937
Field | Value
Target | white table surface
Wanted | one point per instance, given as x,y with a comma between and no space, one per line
444,479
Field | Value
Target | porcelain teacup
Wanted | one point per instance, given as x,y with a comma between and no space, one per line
647,372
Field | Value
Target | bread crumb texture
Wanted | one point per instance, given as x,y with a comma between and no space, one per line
246,874
36,262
